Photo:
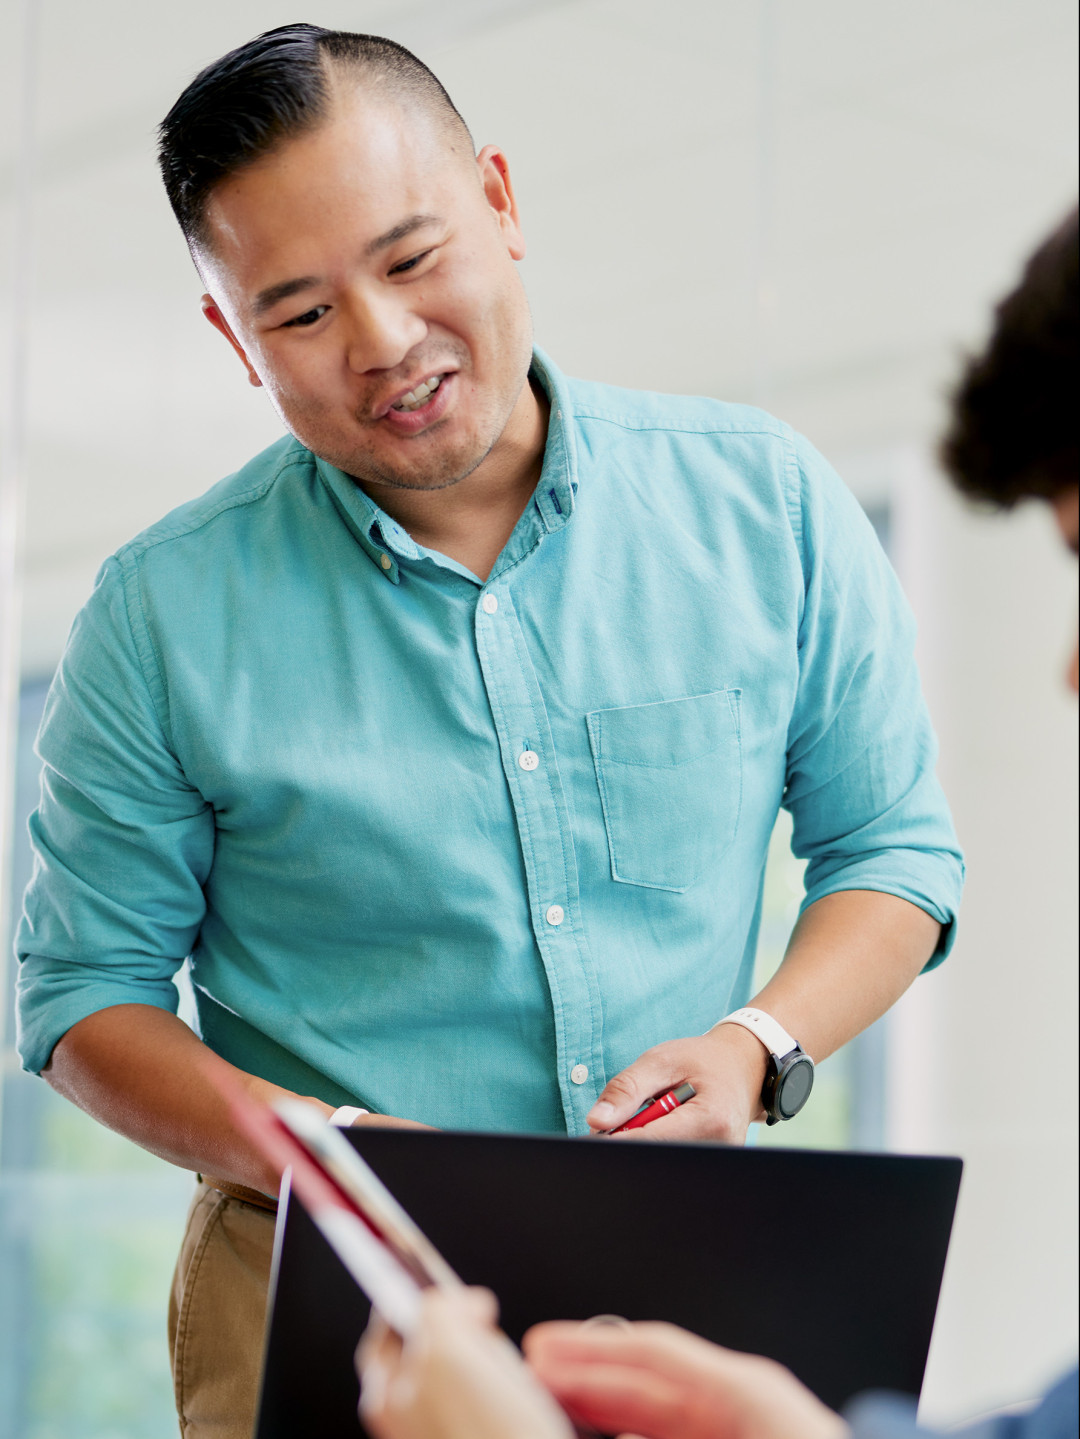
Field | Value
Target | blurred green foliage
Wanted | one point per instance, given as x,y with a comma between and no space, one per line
94,1228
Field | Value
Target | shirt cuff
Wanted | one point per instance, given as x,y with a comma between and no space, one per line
53,999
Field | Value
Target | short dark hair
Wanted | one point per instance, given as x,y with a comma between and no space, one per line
270,90
1013,432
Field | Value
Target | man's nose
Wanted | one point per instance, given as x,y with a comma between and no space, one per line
382,330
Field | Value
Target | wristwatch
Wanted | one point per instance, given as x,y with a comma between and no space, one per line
790,1076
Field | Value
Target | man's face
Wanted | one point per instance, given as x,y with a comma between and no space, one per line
1067,514
360,264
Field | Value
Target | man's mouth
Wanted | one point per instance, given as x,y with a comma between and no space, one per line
415,399
414,412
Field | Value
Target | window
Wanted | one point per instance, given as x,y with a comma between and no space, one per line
89,1230
847,1107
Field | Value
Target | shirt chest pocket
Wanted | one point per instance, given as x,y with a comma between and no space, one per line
670,777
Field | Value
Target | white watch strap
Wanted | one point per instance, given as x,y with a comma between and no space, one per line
344,1116
773,1036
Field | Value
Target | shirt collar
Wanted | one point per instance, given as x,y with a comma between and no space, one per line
381,538
555,492
385,542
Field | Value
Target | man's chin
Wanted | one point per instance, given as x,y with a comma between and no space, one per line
442,474
418,484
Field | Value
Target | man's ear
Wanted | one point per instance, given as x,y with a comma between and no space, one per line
499,193
219,322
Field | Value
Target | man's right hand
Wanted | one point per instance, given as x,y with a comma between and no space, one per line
141,1071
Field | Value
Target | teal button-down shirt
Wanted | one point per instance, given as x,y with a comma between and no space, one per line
460,851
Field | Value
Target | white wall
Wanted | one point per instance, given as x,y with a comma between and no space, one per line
983,1050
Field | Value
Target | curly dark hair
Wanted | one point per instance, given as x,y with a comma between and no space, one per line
1013,432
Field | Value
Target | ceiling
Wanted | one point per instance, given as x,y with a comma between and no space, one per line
805,203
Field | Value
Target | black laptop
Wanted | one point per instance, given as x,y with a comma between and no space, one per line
830,1263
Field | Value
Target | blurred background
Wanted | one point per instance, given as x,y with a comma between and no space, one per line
805,204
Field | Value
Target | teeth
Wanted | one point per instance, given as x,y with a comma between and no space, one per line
415,398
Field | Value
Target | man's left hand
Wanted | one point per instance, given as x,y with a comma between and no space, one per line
727,1069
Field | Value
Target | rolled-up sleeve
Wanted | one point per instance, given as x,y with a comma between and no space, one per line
122,842
867,809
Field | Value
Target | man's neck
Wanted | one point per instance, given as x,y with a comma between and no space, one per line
471,521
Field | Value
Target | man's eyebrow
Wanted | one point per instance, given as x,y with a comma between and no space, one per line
400,232
274,294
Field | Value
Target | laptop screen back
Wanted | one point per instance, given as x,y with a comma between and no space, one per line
830,1263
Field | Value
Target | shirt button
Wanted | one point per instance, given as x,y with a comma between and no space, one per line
529,759
580,1073
489,604
556,914
385,561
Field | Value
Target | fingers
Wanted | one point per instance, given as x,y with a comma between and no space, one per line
472,1305
656,1071
706,1116
378,1358
455,1377
483,1305
450,1311
660,1347
378,1343
695,1390
613,1399
389,1368
726,1068
650,1378
381,1346
715,1114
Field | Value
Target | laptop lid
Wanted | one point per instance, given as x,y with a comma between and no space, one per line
829,1263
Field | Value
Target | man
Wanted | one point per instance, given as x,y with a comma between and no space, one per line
447,737
1013,437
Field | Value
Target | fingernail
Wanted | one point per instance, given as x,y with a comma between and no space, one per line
601,1114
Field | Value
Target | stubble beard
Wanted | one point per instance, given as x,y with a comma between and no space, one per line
441,471
444,468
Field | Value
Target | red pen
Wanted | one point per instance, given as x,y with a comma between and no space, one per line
657,1108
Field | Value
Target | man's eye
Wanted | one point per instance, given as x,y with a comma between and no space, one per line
407,265
309,317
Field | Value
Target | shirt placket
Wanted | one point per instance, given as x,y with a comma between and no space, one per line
540,809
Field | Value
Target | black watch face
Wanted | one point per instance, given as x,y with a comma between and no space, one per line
794,1086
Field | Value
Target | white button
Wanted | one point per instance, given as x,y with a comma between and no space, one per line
556,914
529,759
580,1073
489,604
386,562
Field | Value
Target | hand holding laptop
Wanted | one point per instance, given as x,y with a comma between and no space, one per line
429,1335
457,1378
436,1367
661,1381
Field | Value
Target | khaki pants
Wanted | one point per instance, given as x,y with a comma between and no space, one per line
217,1312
